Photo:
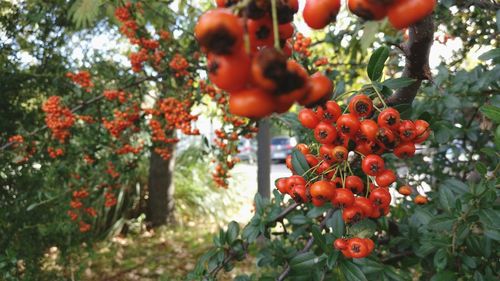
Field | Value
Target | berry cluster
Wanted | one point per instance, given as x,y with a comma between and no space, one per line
227,137
354,247
148,47
111,95
127,148
179,65
81,78
261,79
79,211
123,119
55,152
17,140
401,13
343,138
169,115
301,44
59,119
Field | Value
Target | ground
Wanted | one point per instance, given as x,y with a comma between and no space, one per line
170,252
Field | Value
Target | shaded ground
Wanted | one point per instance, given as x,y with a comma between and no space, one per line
169,253
164,255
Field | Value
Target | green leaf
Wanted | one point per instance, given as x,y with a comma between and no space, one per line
398,83
319,239
481,168
446,198
259,204
337,224
84,12
352,271
232,231
242,278
317,211
478,276
497,137
440,259
304,260
442,223
363,229
376,64
492,54
222,237
425,116
332,259
405,110
444,276
456,186
492,112
250,233
299,162
298,219
489,217
469,261
339,89
369,266
492,234
423,216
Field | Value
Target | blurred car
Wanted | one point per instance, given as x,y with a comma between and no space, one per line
281,147
247,150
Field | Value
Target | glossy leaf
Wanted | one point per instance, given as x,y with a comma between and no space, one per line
376,63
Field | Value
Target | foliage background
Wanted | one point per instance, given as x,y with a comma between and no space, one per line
455,237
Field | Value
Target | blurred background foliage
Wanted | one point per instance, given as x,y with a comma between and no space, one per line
455,237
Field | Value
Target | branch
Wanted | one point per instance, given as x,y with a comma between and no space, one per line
284,213
416,51
306,248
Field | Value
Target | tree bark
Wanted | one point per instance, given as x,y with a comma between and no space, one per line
264,159
416,51
160,202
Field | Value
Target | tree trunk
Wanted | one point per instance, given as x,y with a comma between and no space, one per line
264,159
160,202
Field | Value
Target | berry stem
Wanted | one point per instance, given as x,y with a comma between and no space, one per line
349,167
360,154
367,186
345,174
274,11
379,96
246,36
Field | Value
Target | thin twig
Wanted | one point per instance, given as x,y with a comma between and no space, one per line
284,213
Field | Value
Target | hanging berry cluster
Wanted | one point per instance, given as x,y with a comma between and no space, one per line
401,13
238,38
123,119
58,118
149,48
81,78
344,138
78,212
169,115
227,137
